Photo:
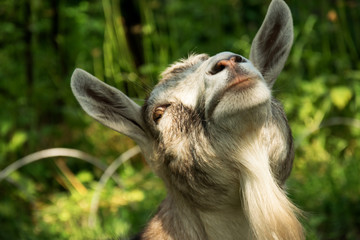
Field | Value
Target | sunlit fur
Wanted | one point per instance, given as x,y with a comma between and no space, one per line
261,156
219,140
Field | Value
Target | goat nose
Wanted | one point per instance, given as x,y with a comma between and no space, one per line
231,61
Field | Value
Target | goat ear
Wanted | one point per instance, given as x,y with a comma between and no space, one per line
109,106
271,45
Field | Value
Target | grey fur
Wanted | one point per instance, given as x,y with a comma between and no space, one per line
215,135
273,40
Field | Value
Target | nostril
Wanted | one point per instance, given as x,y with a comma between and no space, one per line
218,67
222,64
237,59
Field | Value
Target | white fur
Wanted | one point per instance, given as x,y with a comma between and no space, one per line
224,152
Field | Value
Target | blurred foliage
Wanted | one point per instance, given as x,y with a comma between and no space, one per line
127,44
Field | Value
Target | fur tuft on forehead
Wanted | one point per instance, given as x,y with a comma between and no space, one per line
182,65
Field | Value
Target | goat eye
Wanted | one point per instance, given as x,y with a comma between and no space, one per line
159,112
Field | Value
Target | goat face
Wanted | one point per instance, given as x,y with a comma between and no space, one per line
203,113
221,88
208,116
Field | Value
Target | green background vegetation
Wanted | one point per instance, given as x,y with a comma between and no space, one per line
127,44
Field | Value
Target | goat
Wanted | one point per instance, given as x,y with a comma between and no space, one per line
212,131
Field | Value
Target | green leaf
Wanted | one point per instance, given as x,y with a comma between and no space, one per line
85,176
340,96
17,140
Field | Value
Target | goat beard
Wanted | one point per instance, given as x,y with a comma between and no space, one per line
269,212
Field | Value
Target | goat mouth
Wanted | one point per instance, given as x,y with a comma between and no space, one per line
241,83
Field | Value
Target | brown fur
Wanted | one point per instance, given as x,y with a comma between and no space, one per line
215,135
